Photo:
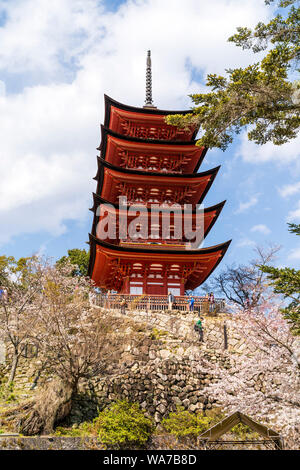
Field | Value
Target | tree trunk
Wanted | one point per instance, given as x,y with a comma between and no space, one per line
13,369
52,405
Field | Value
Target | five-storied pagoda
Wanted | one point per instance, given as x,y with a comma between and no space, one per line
147,163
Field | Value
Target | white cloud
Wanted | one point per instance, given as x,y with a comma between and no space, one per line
281,154
58,58
289,189
294,254
294,215
245,242
43,37
2,88
261,228
244,206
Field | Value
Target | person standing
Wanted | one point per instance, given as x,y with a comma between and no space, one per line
199,328
211,302
123,306
191,304
170,300
206,303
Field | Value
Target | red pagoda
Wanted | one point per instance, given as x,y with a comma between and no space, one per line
152,166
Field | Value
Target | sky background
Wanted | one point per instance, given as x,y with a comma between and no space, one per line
58,58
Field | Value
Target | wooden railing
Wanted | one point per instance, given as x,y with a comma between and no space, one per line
156,302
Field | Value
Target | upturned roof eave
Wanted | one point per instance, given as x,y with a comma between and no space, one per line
197,252
107,131
102,161
94,241
98,200
108,102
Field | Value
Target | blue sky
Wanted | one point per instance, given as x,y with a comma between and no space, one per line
58,58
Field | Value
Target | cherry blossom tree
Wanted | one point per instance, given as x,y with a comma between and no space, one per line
19,306
74,341
263,380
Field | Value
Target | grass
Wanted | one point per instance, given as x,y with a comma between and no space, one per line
85,429
158,334
10,394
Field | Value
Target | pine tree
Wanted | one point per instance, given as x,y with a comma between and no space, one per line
261,96
286,281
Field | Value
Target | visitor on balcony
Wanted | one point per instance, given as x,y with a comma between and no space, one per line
191,304
211,302
206,303
123,305
170,300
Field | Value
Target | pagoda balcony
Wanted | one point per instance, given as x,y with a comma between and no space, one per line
154,245
156,302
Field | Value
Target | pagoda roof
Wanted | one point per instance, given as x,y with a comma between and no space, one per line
97,200
161,112
110,264
118,115
189,188
211,213
183,154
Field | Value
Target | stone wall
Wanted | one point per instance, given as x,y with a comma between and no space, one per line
180,326
165,372
158,385
161,374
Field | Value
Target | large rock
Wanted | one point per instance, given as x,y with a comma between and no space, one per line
164,353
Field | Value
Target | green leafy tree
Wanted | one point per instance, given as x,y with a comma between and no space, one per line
79,258
23,270
6,263
261,96
286,281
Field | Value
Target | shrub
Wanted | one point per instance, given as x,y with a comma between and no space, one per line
242,431
84,429
183,423
122,425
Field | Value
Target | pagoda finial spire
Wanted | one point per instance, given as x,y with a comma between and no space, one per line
149,100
